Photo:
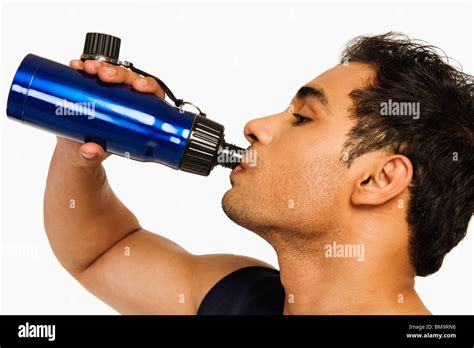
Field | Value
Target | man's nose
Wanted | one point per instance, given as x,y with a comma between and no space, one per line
261,129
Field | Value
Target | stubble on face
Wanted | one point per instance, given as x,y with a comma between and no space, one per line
292,203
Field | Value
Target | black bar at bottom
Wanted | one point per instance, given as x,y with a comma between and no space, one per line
136,331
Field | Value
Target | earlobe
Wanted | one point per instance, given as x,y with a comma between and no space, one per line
387,180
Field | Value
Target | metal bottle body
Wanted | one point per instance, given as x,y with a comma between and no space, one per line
78,106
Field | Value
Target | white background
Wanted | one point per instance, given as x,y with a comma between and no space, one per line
236,61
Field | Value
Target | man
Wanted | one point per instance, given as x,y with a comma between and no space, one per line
375,187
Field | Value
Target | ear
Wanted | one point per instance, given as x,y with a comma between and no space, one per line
388,179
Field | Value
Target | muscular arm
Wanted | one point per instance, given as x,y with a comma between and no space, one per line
101,243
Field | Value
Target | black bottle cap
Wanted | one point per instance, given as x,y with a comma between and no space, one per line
200,155
207,148
101,46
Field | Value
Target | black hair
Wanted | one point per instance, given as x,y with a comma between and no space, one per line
439,141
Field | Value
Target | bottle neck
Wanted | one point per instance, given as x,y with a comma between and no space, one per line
230,155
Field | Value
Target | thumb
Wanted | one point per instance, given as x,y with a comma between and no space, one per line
92,154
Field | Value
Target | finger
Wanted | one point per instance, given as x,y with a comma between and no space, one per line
77,64
148,85
91,154
117,74
91,149
92,66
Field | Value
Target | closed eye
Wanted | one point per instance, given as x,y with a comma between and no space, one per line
300,119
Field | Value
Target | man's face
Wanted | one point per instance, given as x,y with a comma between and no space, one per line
299,185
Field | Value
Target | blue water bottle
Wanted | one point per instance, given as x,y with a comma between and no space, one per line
78,106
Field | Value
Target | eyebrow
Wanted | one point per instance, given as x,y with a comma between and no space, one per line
316,93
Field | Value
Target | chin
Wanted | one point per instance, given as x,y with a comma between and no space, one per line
228,203
236,209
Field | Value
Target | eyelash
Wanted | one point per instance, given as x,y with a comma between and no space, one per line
300,119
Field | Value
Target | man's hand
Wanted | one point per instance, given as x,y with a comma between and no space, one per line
91,153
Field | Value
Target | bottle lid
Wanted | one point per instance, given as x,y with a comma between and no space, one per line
200,155
101,47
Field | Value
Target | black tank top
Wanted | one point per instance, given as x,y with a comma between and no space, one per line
251,290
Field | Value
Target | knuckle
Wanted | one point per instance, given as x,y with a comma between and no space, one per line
131,76
120,70
152,82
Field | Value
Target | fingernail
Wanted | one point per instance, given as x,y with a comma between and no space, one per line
96,64
88,155
110,71
142,82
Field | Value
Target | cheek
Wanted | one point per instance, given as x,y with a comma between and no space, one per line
305,187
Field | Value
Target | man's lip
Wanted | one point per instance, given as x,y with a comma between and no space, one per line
237,169
241,166
244,165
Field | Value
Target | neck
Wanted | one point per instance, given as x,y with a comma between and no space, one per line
347,276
